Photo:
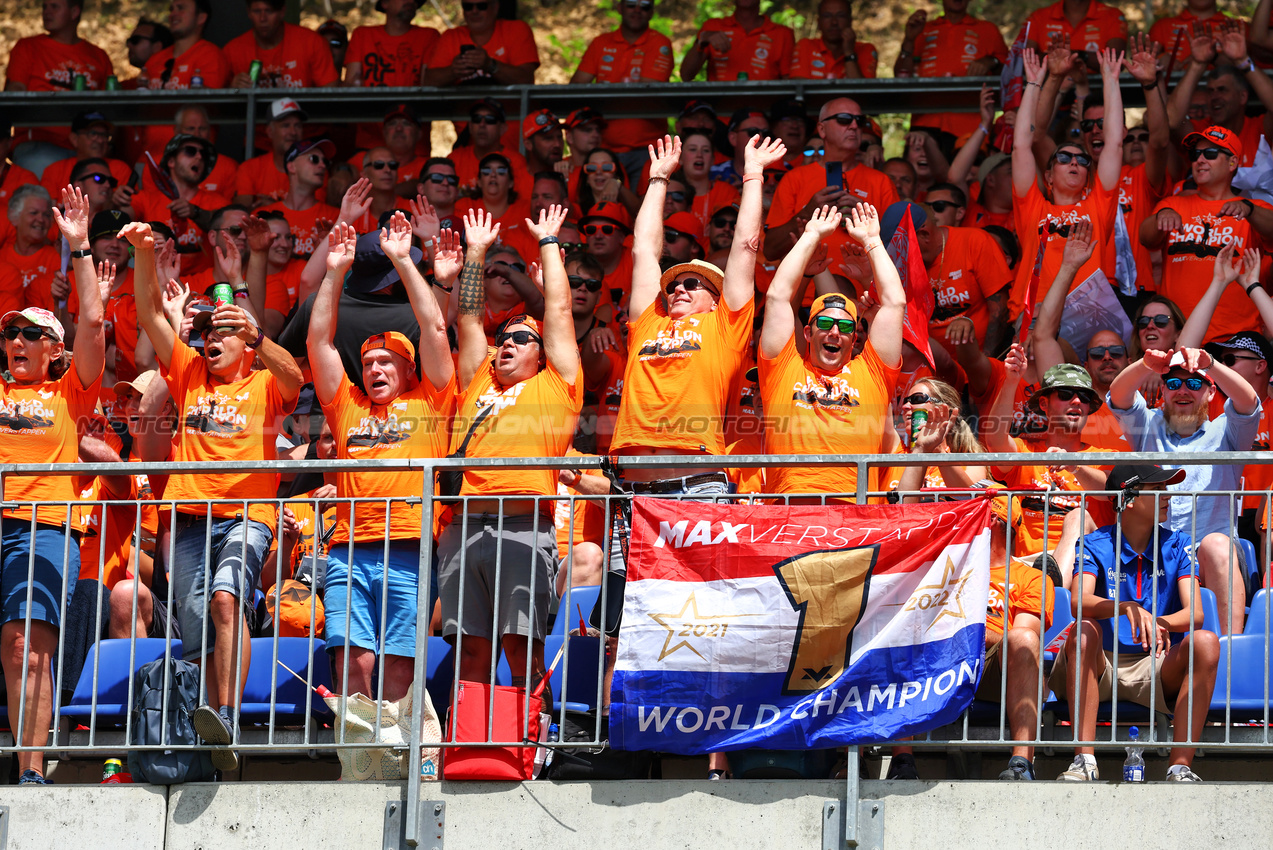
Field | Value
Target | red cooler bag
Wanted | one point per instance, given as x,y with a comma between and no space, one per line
515,718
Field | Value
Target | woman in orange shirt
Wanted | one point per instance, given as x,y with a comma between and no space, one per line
45,397
697,157
496,194
605,180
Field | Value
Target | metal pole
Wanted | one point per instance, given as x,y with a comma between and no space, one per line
424,610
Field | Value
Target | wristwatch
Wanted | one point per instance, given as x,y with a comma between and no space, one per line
260,338
81,254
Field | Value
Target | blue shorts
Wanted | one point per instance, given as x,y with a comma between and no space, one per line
354,597
57,555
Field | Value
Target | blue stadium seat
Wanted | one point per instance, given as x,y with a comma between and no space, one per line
582,600
290,693
439,673
110,658
579,669
1210,611
1061,620
1257,622
1245,653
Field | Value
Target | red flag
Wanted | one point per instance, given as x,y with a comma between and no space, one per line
904,249
1031,295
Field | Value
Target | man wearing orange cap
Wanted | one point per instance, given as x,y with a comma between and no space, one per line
683,238
399,415
605,227
542,132
1191,230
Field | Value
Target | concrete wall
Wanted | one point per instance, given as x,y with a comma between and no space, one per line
640,815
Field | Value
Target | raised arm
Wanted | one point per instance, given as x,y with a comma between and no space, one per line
435,349
1141,63
740,273
1233,46
353,206
1109,166
961,168
1059,62
324,359
1024,171
559,325
886,331
780,312
274,357
1224,272
1202,52
150,317
480,234
1259,33
90,337
1047,322
647,232
1122,390
999,431
259,238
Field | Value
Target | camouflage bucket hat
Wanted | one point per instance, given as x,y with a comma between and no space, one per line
1066,376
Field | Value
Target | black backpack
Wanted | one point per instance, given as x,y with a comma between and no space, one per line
167,767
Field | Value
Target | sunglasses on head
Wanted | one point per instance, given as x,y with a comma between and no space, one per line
101,178
475,7
591,229
488,170
1066,157
845,119
1230,359
378,164
1088,124
594,167
1099,352
942,206
1210,153
449,179
679,197
30,333
1174,384
488,120
918,398
689,284
724,221
1162,320
518,338
591,283
1068,394
845,326
1142,137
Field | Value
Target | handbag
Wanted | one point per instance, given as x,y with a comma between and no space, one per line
451,480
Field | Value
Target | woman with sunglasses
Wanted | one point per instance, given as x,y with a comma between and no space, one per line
46,397
1073,185
496,195
605,180
942,430
1156,325
698,155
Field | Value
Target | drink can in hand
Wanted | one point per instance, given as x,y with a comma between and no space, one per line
254,70
223,296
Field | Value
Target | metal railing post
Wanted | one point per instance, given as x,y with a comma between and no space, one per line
249,124
424,610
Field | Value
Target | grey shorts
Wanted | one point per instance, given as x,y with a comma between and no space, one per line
474,602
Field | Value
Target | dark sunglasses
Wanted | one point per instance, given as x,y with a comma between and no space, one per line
1161,321
673,236
844,119
591,283
568,247
488,170
317,159
1194,384
192,150
134,40
1088,124
689,284
845,326
518,338
757,131
679,197
1210,153
30,333
475,7
724,221
449,179
488,120
101,178
643,5
1141,137
916,398
235,230
1230,359
591,229
1099,352
1065,157
594,167
1067,394
942,206
520,266
391,164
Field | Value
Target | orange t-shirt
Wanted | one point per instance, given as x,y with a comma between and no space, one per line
25,281
800,184
153,206
813,412
979,216
1165,31
609,394
722,194
57,176
305,224
301,59
946,49
466,161
1038,218
39,423
315,531
1103,433
745,430
1136,198
260,176
121,323
1189,258
971,268
617,286
11,177
203,59
676,384
511,224
1101,25
282,289
611,59
388,60
761,54
589,514
1031,592
415,424
1034,536
812,60
41,63
512,43
223,421
120,523
533,418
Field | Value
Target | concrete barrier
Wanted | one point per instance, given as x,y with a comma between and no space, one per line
104,817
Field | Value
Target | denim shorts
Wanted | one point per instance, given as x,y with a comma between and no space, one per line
355,592
198,572
56,556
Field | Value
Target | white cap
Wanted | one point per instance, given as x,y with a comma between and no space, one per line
1178,359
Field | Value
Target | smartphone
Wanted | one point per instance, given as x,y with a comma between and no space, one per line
835,175
134,179
465,48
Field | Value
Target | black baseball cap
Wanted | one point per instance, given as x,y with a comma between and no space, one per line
1128,475
1251,341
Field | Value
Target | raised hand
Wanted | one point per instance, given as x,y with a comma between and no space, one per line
1226,270
758,155
665,157
863,224
167,260
1034,70
139,235
259,235
395,239
1060,59
105,279
173,300
74,222
1141,60
424,219
915,25
931,435
342,243
855,263
823,222
1015,362
1156,361
987,105
1196,359
1202,47
448,258
1078,245
227,260
1233,43
479,231
549,224
1110,62
1250,267
356,202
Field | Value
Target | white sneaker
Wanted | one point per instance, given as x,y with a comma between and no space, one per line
1185,775
1080,772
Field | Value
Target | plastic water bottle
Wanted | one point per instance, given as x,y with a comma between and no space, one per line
1134,766
196,82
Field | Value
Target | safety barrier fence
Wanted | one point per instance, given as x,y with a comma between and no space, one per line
282,715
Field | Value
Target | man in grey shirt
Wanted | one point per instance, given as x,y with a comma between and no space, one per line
1190,379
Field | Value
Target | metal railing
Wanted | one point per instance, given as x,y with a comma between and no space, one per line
267,732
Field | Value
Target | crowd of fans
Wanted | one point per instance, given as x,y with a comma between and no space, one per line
583,286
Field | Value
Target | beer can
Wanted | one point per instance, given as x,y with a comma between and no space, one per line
112,83
111,767
81,82
918,419
254,70
223,294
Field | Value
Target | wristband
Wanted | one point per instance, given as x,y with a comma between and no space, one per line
872,247
260,337
1246,66
852,57
241,293
1250,207
81,254
749,177
548,240
983,128
662,180
1252,288
1150,86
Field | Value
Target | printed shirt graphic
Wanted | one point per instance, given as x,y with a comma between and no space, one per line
307,225
813,60
946,49
28,279
676,384
415,424
1036,218
970,270
301,59
611,59
220,421
809,411
1030,593
1100,25
762,54
1035,533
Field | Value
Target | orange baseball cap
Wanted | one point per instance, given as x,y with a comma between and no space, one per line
686,224
520,319
610,211
539,121
833,301
390,341
1218,137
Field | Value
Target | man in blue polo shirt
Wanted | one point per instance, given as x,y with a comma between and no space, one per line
1148,594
